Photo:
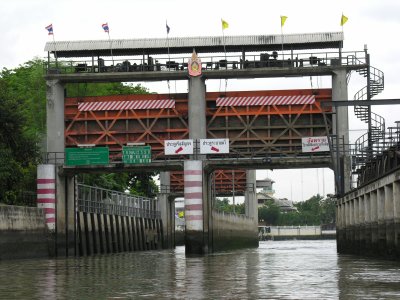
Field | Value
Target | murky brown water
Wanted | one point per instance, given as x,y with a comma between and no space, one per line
276,270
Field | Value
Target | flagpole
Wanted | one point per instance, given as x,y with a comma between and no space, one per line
283,56
55,50
226,61
109,40
169,57
223,41
166,22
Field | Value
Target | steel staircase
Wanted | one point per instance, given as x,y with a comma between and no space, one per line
362,145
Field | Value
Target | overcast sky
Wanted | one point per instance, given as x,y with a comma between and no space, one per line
372,22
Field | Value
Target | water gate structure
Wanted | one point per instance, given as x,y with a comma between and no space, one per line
205,144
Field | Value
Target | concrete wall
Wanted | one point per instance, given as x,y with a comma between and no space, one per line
368,219
294,232
232,231
23,232
103,233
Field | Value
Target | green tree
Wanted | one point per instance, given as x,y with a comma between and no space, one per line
224,206
18,148
269,213
23,124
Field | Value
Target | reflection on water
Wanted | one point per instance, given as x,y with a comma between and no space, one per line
276,270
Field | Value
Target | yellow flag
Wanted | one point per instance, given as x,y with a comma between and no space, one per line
283,20
343,20
225,24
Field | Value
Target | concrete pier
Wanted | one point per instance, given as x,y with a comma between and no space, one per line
368,219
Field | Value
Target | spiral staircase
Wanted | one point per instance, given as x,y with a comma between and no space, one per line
364,148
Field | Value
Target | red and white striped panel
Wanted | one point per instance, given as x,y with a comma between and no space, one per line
125,105
265,100
46,193
193,177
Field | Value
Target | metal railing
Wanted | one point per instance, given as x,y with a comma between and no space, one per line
308,59
102,201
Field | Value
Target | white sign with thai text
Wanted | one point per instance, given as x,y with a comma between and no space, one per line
178,147
315,144
214,146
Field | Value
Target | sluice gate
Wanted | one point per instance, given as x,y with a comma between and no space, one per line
111,222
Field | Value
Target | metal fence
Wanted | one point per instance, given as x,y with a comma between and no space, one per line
307,59
102,201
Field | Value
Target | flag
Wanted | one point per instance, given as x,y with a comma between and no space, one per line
105,27
225,24
50,29
283,20
168,29
343,20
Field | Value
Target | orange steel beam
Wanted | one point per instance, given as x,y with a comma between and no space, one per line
253,130
225,182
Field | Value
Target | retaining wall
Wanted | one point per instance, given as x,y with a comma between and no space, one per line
368,219
230,231
23,232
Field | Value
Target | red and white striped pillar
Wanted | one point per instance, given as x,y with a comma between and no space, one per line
46,193
193,177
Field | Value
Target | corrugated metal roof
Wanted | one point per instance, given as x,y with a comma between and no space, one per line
201,44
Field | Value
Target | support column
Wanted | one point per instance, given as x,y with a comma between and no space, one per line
389,220
367,222
167,213
381,221
65,193
251,207
194,237
341,129
197,108
196,201
396,210
55,117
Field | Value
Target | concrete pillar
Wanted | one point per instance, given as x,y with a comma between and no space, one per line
65,193
55,116
194,239
374,221
356,226
367,222
46,193
396,217
251,206
65,216
167,213
196,201
361,222
381,221
389,220
341,124
197,108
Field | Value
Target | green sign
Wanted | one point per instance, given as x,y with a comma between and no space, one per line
86,156
136,154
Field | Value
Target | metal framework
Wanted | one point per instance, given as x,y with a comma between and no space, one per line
253,130
259,124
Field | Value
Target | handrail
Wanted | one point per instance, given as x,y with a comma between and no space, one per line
308,59
99,200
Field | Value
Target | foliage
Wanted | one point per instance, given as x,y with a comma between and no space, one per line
224,206
269,213
141,184
102,89
23,125
314,211
18,142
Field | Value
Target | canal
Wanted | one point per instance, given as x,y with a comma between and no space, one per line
276,270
